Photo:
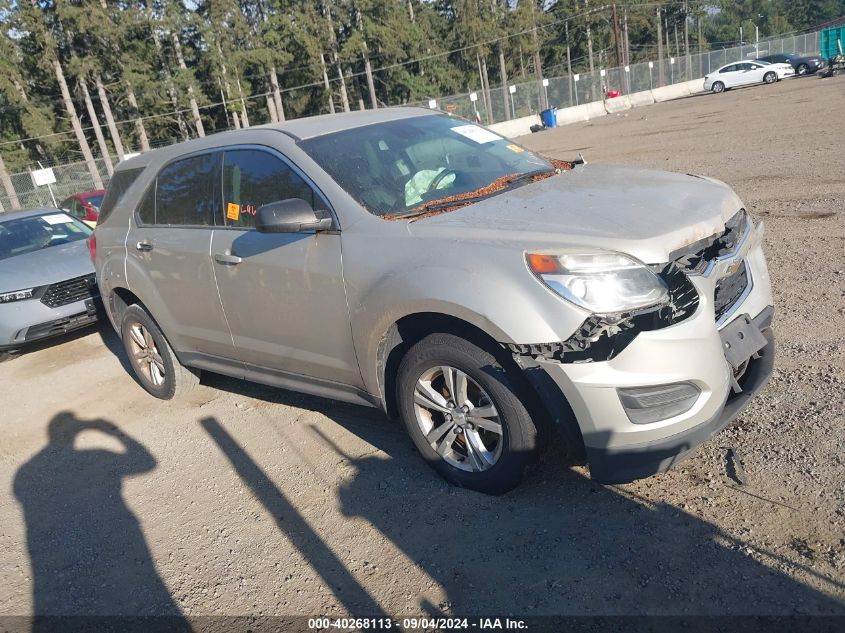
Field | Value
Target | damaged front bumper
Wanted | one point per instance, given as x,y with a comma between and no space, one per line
688,353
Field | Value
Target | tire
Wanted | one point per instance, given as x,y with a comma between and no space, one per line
153,362
4,356
718,87
423,396
770,77
803,69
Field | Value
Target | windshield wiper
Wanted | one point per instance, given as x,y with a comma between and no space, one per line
437,205
530,174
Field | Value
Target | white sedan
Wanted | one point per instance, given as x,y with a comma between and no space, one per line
746,73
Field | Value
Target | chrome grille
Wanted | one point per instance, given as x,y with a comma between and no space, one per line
70,291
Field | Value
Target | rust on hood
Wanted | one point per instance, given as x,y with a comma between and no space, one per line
465,199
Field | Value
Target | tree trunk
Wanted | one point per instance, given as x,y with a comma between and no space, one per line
487,97
92,114
8,186
180,59
244,113
370,85
140,130
277,94
77,128
503,73
344,96
171,88
326,84
271,108
104,102
411,10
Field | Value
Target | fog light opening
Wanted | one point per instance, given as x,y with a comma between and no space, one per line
644,405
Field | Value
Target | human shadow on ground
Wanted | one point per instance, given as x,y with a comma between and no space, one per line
86,548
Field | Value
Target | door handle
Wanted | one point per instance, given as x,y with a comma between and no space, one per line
227,260
144,247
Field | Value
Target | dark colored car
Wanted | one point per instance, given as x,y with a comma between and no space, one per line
85,206
803,65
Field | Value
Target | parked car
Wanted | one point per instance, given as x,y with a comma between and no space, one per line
85,206
746,73
409,260
803,65
47,285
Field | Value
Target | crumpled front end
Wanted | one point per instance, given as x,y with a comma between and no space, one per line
646,389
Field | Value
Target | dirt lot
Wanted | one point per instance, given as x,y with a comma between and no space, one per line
245,500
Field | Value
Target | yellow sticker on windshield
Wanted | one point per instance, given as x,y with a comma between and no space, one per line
233,211
515,148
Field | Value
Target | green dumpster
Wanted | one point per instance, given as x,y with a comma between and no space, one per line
831,39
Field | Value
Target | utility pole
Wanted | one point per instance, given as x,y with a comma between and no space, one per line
568,61
589,40
686,38
659,49
626,39
538,64
616,37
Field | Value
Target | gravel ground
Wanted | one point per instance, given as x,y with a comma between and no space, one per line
241,499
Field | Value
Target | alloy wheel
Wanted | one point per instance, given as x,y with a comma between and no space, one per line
145,356
458,419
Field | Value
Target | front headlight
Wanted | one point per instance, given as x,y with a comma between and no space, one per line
603,282
16,295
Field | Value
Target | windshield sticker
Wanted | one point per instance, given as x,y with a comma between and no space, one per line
233,211
477,134
515,148
57,218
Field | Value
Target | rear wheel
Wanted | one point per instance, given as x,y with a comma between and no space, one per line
718,87
465,414
153,361
770,77
4,356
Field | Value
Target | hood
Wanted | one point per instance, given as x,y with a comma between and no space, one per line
46,266
647,214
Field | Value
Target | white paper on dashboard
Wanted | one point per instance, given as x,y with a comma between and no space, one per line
57,218
477,134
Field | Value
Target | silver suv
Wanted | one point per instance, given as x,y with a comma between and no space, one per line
487,296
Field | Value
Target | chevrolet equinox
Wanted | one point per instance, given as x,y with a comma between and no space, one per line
489,297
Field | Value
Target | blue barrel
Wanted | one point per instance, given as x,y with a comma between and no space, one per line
549,117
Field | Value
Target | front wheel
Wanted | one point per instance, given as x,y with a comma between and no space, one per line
718,87
152,359
802,69
465,414
4,356
770,77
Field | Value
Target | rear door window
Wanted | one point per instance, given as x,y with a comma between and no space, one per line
254,177
185,192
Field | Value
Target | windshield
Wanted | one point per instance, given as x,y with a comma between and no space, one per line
396,167
33,233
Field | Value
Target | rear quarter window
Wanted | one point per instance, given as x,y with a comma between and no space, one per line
118,186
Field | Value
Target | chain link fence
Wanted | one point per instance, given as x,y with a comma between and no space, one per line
561,92
571,90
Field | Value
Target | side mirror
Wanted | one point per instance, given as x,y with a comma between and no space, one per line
293,215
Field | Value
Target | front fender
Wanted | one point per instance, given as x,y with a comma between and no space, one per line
511,307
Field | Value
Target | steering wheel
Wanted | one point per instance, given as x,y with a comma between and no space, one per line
439,178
